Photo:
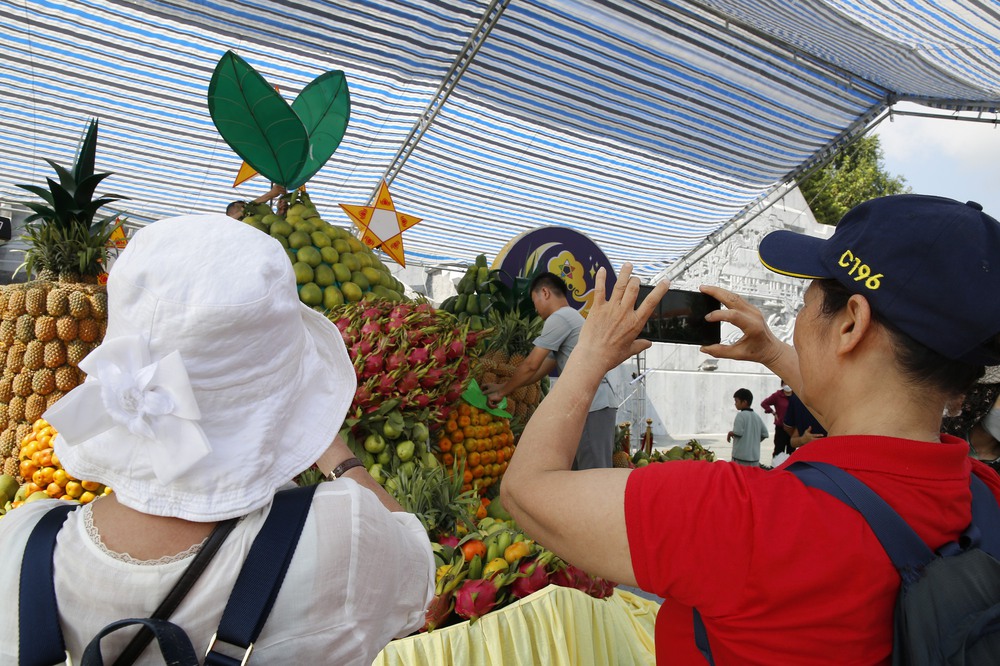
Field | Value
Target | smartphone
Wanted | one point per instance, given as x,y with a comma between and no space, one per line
679,317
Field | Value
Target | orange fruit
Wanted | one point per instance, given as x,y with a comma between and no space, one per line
54,490
473,547
74,489
87,497
91,485
60,477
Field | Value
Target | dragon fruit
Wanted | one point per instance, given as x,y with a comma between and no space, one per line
407,352
438,611
475,598
535,578
572,576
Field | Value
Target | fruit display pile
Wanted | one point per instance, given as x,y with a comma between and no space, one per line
44,476
46,329
495,565
331,266
480,440
405,351
690,451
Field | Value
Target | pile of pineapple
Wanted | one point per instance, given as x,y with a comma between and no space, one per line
512,325
47,326
46,329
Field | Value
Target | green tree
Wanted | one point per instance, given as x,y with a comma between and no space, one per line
855,175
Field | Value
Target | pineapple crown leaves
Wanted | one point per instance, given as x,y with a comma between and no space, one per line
71,200
62,233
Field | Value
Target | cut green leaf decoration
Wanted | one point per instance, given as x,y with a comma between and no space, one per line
475,397
286,144
324,107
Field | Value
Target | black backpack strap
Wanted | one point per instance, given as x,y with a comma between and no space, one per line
701,638
39,637
174,644
986,516
260,578
907,551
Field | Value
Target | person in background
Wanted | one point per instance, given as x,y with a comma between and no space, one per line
748,430
800,424
552,349
978,419
213,388
236,209
877,359
776,404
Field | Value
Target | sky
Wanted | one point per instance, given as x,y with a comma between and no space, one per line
950,158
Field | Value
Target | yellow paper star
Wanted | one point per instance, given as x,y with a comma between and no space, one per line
381,225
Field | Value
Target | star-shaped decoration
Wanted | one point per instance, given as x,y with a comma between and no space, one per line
381,225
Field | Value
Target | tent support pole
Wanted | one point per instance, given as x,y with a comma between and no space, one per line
451,78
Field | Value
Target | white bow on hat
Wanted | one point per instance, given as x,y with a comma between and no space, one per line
151,401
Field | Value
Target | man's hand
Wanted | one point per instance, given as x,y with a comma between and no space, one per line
729,436
798,440
494,393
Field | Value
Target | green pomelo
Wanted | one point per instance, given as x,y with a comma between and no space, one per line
341,245
341,272
291,254
281,228
352,292
358,278
310,255
303,272
374,277
332,297
350,260
281,239
256,224
324,275
299,239
365,259
320,239
298,210
271,219
329,255
305,226
293,219
311,294
355,244
382,292
386,280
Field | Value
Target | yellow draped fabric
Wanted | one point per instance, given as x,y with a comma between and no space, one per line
556,626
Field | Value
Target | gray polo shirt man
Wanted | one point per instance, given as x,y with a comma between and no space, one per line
559,335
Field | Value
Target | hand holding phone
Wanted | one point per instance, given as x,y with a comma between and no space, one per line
679,317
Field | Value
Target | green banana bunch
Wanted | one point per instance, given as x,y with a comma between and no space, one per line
475,295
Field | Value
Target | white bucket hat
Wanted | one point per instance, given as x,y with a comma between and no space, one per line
214,384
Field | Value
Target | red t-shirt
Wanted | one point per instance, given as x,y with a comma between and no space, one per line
782,573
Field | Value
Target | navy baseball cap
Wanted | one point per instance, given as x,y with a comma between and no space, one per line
928,265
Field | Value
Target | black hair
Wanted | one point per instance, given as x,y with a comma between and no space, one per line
234,206
745,395
920,363
550,280
977,403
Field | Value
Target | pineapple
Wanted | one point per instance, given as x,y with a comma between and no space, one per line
48,326
514,325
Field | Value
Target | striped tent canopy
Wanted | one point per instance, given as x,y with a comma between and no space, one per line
647,125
